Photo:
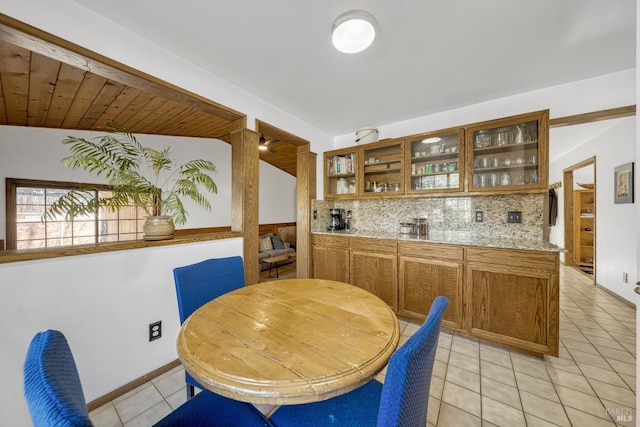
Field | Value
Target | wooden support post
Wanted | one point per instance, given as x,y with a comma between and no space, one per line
305,192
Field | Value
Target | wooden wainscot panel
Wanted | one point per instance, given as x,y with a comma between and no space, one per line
431,250
373,245
516,308
422,280
514,258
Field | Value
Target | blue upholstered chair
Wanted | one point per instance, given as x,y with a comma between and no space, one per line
400,402
199,283
55,397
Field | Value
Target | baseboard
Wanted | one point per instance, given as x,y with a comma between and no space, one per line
627,302
103,400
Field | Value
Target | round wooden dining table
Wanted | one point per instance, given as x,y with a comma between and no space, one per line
288,341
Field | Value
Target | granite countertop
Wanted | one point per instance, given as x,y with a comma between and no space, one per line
453,239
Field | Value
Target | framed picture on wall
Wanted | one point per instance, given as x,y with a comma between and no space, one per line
623,183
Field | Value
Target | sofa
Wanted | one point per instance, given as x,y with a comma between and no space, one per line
270,245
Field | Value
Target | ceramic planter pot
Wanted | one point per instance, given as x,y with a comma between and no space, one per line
158,228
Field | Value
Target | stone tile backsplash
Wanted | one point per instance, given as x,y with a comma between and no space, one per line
444,214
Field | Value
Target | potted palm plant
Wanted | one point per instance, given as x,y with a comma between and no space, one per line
139,176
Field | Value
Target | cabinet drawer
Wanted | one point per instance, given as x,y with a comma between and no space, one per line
514,258
431,250
334,241
373,245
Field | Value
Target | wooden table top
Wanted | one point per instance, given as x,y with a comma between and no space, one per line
288,341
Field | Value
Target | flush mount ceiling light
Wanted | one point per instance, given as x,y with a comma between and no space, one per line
353,31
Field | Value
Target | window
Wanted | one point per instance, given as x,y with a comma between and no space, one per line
27,228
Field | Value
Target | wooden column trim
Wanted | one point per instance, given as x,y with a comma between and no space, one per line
244,197
594,116
305,192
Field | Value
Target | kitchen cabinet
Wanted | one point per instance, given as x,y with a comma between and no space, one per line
340,180
512,299
435,162
331,258
584,229
509,154
381,169
373,267
425,272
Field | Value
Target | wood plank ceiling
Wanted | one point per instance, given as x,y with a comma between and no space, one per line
41,90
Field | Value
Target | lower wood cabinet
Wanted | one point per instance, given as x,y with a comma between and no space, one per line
512,299
427,271
331,258
505,297
373,266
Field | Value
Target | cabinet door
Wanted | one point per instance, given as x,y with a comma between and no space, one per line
340,179
435,162
376,273
516,308
381,173
331,263
422,280
509,154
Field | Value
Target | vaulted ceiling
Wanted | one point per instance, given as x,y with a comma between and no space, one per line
53,85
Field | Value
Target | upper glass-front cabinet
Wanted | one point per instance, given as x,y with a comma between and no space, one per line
382,164
436,162
340,173
509,154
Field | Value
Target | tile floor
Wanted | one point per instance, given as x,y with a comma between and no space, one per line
592,383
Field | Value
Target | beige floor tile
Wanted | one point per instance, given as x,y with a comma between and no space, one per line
444,340
545,409
450,416
615,354
533,421
442,354
150,416
137,403
500,392
497,373
500,414
579,418
439,369
606,342
565,364
461,398
436,387
619,395
529,365
622,415
433,410
177,398
605,375
588,358
585,345
105,416
629,380
464,378
623,367
536,386
466,346
465,362
567,379
581,401
169,384
496,355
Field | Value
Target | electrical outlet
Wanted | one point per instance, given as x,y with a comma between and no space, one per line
155,330
315,214
625,278
479,216
514,217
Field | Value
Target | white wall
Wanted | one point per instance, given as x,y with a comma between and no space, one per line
104,316
35,153
616,228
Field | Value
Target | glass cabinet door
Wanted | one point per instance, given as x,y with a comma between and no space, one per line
510,155
382,164
340,174
436,162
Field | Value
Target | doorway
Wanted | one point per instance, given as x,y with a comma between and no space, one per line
579,182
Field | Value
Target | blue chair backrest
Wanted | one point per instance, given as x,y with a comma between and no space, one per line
405,393
199,283
52,384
